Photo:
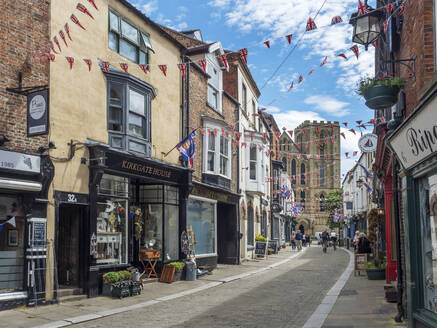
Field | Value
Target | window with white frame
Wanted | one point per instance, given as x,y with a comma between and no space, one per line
224,155
244,97
214,83
218,153
252,163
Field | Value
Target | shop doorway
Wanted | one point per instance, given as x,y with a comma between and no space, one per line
227,234
70,247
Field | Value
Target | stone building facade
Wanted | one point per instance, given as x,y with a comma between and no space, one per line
313,164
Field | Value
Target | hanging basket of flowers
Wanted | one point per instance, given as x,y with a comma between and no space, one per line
381,92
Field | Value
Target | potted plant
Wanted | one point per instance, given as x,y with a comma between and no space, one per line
380,92
179,270
260,238
109,278
122,288
375,270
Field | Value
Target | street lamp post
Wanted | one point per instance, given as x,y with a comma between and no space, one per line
367,27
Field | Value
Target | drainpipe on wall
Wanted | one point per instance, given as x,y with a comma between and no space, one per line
188,99
400,287
237,109
182,101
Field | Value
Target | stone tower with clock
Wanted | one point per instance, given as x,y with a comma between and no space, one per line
311,157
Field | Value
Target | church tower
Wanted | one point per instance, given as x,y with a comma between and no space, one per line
312,156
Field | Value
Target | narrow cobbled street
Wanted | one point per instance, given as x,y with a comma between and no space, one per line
285,296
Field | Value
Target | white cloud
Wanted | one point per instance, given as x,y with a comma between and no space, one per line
328,104
150,7
220,3
271,109
292,118
273,19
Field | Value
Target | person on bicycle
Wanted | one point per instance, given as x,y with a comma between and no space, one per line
334,239
325,239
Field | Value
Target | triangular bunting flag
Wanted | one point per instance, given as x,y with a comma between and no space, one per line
88,62
352,130
70,61
163,69
182,68
105,65
291,86
289,36
336,20
202,63
343,135
362,10
311,25
83,9
300,79
62,35
67,30
55,39
94,5
401,9
144,67
267,43
224,60
76,21
342,55
345,124
311,71
355,50
124,67
325,60
290,132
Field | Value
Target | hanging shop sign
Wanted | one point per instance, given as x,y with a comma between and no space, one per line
19,162
368,143
416,138
38,113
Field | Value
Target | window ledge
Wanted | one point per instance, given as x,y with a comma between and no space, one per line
215,110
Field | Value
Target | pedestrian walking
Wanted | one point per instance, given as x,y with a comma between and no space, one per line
308,240
299,237
364,245
293,241
356,240
334,239
325,239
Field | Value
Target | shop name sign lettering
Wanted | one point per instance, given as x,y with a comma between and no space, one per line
417,139
141,168
19,162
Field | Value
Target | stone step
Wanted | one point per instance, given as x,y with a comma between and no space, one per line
69,291
71,298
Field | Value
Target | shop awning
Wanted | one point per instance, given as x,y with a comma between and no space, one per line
20,185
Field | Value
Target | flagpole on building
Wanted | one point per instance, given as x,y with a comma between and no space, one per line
166,154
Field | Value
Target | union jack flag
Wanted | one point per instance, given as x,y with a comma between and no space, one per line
362,10
187,148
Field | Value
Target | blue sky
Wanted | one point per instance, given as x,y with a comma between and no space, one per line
328,94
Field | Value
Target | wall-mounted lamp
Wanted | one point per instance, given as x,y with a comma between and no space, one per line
381,211
367,25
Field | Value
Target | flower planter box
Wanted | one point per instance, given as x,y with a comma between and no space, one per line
177,276
381,96
135,288
121,289
375,274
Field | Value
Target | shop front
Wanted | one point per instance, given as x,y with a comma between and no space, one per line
134,203
212,221
415,145
24,181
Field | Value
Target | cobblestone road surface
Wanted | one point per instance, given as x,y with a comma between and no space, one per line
285,296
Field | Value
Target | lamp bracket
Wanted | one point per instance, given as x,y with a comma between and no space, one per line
411,66
25,90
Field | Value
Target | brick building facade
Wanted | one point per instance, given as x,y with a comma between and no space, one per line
25,168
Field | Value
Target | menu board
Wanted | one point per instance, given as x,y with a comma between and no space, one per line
360,262
260,248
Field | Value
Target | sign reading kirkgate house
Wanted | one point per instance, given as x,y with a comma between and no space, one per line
416,139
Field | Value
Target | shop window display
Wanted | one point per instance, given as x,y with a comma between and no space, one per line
160,205
201,223
112,221
12,224
428,218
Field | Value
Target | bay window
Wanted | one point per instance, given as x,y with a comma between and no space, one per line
129,111
127,40
217,152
